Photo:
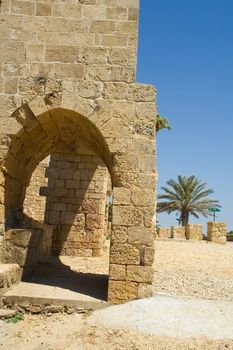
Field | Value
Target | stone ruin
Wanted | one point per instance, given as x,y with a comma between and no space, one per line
68,92
216,232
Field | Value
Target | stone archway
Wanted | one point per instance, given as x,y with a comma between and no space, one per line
53,120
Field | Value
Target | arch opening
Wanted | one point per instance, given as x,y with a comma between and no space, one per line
78,168
58,130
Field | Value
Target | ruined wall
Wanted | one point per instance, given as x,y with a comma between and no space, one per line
34,203
68,76
163,232
178,232
194,232
216,232
76,202
26,247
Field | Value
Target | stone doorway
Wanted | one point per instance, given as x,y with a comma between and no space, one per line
49,129
69,191
75,183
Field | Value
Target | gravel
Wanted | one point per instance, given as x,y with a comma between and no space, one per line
196,269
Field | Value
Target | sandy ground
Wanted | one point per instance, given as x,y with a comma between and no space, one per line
197,269
200,270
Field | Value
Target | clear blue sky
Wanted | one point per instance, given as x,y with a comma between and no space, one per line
186,51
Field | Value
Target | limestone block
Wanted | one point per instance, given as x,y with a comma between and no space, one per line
120,291
22,7
143,274
216,232
145,290
117,13
35,53
121,215
140,235
94,221
43,9
178,232
69,70
123,57
194,232
124,254
122,195
148,256
24,238
143,197
103,27
163,232
140,92
119,234
9,275
60,53
117,272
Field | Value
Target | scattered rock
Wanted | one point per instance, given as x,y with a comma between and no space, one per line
5,313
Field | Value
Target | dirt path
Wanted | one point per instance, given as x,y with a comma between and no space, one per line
69,332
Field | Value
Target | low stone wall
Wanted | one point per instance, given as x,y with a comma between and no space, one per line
163,232
20,246
9,274
25,247
194,232
178,232
216,232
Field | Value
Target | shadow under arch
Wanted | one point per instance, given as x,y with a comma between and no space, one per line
40,136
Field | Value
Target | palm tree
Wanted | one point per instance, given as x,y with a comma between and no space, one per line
188,196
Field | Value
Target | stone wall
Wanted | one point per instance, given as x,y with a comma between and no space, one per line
178,232
194,232
76,203
34,203
25,247
216,232
163,232
68,77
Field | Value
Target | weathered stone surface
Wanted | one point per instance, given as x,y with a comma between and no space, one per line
119,234
124,254
68,89
9,275
145,290
143,274
216,232
122,195
5,313
178,232
117,272
120,291
140,235
163,232
148,256
194,232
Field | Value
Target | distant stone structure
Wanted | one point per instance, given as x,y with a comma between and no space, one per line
217,232
68,82
163,232
194,232
178,232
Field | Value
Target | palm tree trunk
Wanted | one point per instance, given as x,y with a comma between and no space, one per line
184,218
